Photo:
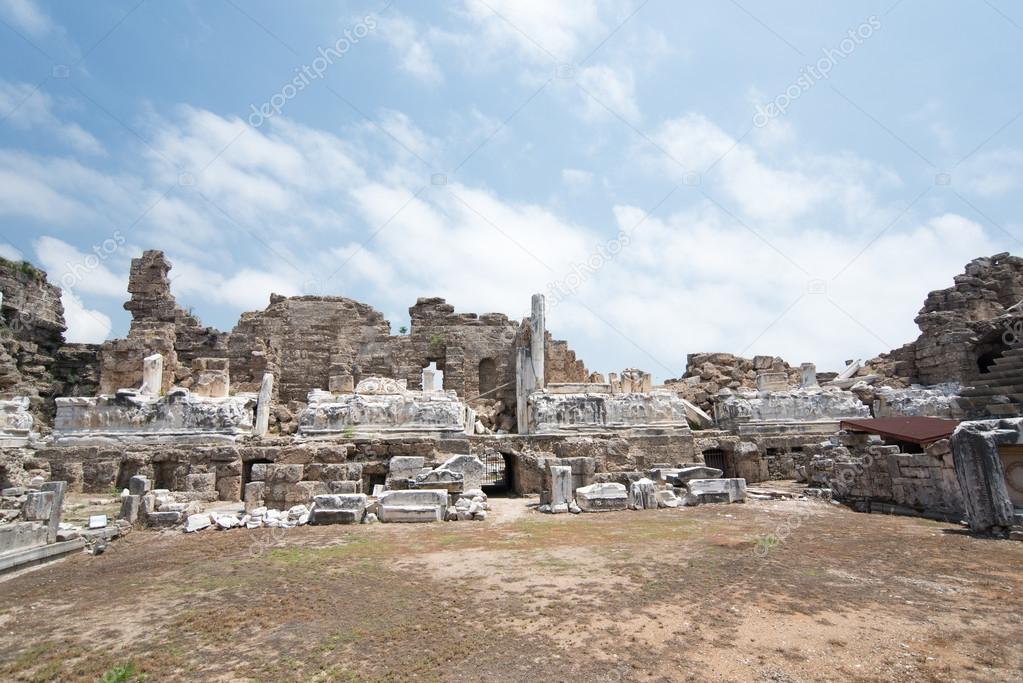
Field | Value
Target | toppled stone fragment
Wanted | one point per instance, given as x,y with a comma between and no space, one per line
602,497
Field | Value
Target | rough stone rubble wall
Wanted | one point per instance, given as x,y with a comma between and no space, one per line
158,325
707,373
561,364
957,324
34,361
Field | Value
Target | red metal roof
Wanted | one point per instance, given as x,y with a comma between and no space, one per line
919,430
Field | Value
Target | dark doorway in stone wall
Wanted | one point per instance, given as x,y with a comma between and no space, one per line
163,474
988,351
247,471
488,377
715,457
498,473
125,472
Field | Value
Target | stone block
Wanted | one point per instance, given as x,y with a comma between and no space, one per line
602,497
417,505
229,488
20,535
560,492
338,509
344,486
138,485
163,519
258,472
283,474
683,475
38,506
405,467
130,508
717,490
205,482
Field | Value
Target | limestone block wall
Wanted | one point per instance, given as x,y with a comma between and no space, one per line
873,476
561,364
302,340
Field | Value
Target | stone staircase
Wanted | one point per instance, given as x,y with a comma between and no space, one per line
999,392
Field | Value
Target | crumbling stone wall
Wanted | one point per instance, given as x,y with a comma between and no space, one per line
707,373
158,325
304,341
34,360
561,364
958,325
309,341
871,476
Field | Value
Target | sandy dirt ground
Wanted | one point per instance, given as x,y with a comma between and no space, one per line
786,591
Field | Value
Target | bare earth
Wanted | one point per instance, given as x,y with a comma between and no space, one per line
697,594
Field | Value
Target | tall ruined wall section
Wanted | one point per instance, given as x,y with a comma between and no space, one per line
158,325
34,360
32,333
561,364
306,340
463,344
959,324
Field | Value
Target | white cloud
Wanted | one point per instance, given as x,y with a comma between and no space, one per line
30,108
84,326
612,89
771,193
27,16
77,271
291,209
538,28
415,56
245,290
994,173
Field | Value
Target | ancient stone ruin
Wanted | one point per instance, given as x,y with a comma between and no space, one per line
311,411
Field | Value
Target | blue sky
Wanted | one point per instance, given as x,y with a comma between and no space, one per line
751,177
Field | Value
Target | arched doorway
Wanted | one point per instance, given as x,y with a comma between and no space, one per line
488,377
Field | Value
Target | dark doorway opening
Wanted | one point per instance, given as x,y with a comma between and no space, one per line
125,472
715,457
498,473
488,377
247,471
163,474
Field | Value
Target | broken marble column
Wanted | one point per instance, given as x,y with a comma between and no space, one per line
429,379
537,338
266,389
152,375
529,363
643,495
561,488
980,468
850,369
808,376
